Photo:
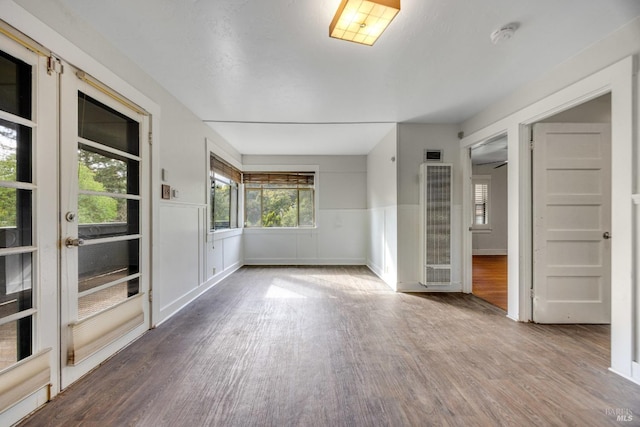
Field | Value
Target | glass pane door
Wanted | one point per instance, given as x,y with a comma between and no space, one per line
102,203
17,248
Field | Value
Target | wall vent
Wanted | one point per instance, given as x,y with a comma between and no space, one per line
432,155
435,224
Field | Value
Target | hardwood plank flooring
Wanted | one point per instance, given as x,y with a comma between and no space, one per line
311,346
490,279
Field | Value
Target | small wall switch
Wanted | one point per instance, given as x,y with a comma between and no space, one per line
165,174
166,191
175,194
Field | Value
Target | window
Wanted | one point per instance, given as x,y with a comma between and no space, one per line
16,208
224,194
284,199
481,187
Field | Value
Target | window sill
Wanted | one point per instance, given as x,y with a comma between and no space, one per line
481,230
280,230
223,234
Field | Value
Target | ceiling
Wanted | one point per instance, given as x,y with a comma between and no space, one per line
266,76
492,152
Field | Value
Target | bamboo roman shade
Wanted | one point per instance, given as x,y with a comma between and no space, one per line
223,168
288,178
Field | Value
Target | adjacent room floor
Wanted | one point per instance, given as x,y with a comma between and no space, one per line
490,279
335,347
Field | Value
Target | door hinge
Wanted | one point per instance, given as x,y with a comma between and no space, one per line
531,145
150,138
54,66
150,295
532,293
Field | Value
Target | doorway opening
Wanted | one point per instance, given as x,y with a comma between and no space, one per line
489,168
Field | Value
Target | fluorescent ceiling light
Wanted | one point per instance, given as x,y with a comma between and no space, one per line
362,21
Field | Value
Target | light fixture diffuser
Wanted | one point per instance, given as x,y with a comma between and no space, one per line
362,21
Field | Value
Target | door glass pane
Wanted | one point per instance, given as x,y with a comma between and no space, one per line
15,86
15,284
15,152
15,217
15,341
102,171
105,298
16,272
110,214
15,296
106,262
102,216
99,123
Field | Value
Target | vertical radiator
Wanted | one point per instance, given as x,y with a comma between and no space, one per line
435,224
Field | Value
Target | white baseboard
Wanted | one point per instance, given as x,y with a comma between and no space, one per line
418,288
174,307
304,261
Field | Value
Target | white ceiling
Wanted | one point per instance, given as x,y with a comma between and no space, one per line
266,76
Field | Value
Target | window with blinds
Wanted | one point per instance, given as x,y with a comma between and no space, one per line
481,186
224,180
279,199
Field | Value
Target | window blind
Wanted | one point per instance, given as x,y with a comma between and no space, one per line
290,178
223,168
481,196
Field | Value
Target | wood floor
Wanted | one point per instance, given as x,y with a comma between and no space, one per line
335,347
490,279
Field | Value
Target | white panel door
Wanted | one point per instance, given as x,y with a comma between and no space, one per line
572,219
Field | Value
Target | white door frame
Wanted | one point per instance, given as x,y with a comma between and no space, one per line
618,80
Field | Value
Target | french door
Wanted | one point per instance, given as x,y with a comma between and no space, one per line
28,229
104,232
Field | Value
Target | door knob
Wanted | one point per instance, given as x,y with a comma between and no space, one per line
70,243
606,235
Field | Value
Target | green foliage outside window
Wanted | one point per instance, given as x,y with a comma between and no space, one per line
224,203
100,173
278,206
8,195
95,209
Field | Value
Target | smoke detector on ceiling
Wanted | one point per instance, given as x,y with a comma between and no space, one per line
503,33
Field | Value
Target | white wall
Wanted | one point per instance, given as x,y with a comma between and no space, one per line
493,241
340,235
382,208
413,139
